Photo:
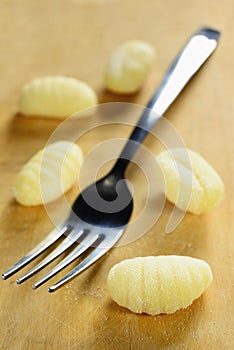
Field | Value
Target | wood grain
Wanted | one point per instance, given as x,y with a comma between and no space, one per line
75,37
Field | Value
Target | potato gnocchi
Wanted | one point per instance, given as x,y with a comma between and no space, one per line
48,174
128,66
57,97
158,284
196,186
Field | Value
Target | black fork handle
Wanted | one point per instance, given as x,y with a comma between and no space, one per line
189,60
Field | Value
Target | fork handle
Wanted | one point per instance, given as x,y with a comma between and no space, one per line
189,60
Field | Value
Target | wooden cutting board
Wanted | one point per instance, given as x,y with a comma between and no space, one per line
75,38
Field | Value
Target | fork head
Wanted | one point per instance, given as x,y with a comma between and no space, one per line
97,221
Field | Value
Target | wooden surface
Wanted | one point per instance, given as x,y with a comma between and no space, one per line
74,38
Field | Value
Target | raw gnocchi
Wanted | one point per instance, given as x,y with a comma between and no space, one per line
128,66
57,97
48,174
158,284
190,181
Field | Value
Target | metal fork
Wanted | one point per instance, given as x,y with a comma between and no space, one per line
102,211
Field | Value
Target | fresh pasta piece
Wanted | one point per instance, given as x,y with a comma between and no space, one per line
190,181
158,284
48,174
57,97
128,66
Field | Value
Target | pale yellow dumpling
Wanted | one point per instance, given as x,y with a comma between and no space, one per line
158,284
128,67
48,174
56,97
191,183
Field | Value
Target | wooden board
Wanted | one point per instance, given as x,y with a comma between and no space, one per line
75,38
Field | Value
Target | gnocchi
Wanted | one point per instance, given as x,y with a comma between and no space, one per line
57,97
128,66
195,187
158,284
48,174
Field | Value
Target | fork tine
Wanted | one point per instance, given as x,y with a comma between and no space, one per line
40,248
97,253
68,241
83,246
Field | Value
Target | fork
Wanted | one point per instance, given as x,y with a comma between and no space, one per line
101,212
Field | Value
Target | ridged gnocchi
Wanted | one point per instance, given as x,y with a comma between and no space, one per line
128,66
188,174
158,284
48,174
56,96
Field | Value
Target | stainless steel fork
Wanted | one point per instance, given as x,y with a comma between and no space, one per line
101,212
